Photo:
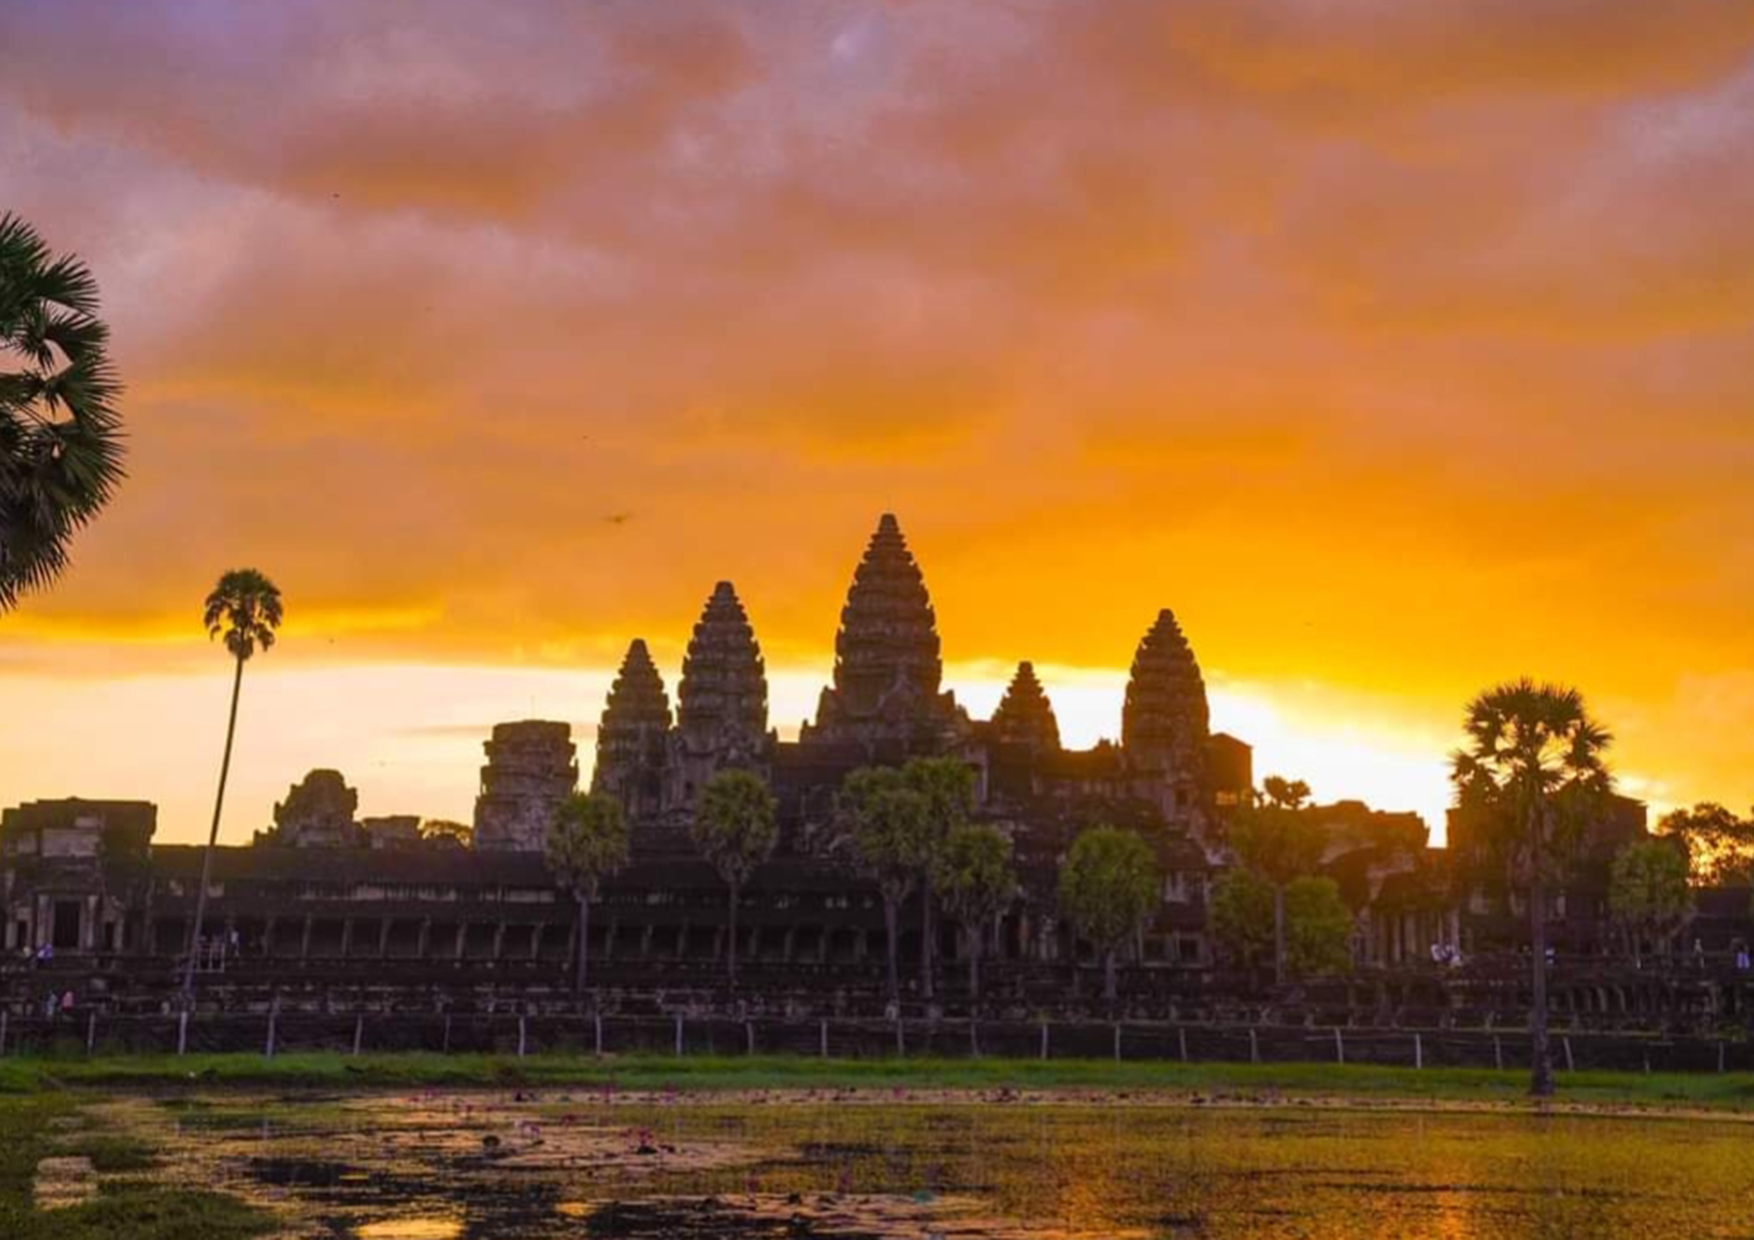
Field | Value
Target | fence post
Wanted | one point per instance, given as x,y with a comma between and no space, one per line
1570,1063
358,1031
91,1032
1254,1046
1339,1046
900,1039
679,1033
1181,1041
1044,1039
1418,1051
268,1042
520,1035
822,1036
1497,1053
182,1031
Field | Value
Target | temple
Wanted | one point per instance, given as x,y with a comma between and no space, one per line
322,903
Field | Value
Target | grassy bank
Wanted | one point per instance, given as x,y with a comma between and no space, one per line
330,1071
48,1122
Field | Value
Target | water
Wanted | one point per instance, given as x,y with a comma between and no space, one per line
474,1166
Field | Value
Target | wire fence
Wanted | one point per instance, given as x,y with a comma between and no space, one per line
78,1034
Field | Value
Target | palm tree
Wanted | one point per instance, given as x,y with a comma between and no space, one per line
1109,885
974,875
1276,839
1533,771
587,842
736,830
244,608
946,787
60,435
886,823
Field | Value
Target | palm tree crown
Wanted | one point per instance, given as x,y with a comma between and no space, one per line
245,608
60,435
1532,750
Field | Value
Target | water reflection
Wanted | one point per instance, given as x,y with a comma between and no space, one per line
478,1167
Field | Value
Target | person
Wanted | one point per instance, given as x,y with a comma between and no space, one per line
1699,953
67,1003
1742,962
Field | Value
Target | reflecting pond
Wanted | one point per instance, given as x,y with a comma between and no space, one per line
474,1165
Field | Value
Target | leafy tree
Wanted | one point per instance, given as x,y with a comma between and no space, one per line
735,828
60,434
1534,773
946,787
1319,941
976,881
587,842
1648,892
1241,916
887,829
1720,846
1109,886
244,608
1277,839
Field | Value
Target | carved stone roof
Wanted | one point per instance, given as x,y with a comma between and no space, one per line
887,665
1025,716
630,738
721,701
1165,720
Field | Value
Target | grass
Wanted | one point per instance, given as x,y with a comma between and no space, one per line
138,1211
1731,1091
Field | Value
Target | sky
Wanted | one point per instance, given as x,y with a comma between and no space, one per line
1400,349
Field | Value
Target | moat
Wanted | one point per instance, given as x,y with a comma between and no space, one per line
436,1164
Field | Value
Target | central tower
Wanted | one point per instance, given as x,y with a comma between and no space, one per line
887,666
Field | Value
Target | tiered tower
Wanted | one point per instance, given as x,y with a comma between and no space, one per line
530,770
317,813
721,701
1165,721
631,737
1025,716
887,669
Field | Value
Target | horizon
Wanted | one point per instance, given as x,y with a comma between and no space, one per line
1400,352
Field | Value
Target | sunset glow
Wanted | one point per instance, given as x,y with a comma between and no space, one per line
1400,349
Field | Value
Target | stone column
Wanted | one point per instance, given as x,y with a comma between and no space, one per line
536,941
346,936
424,942
384,937
498,939
304,944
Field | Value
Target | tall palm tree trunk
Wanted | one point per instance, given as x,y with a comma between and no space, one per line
733,954
1541,1066
231,728
582,949
925,941
1278,934
974,965
889,925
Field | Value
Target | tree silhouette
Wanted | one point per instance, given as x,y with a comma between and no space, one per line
1648,892
244,609
886,822
1276,838
735,829
946,788
60,434
975,878
1533,772
586,843
1108,887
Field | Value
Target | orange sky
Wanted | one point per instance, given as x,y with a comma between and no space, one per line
1399,348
